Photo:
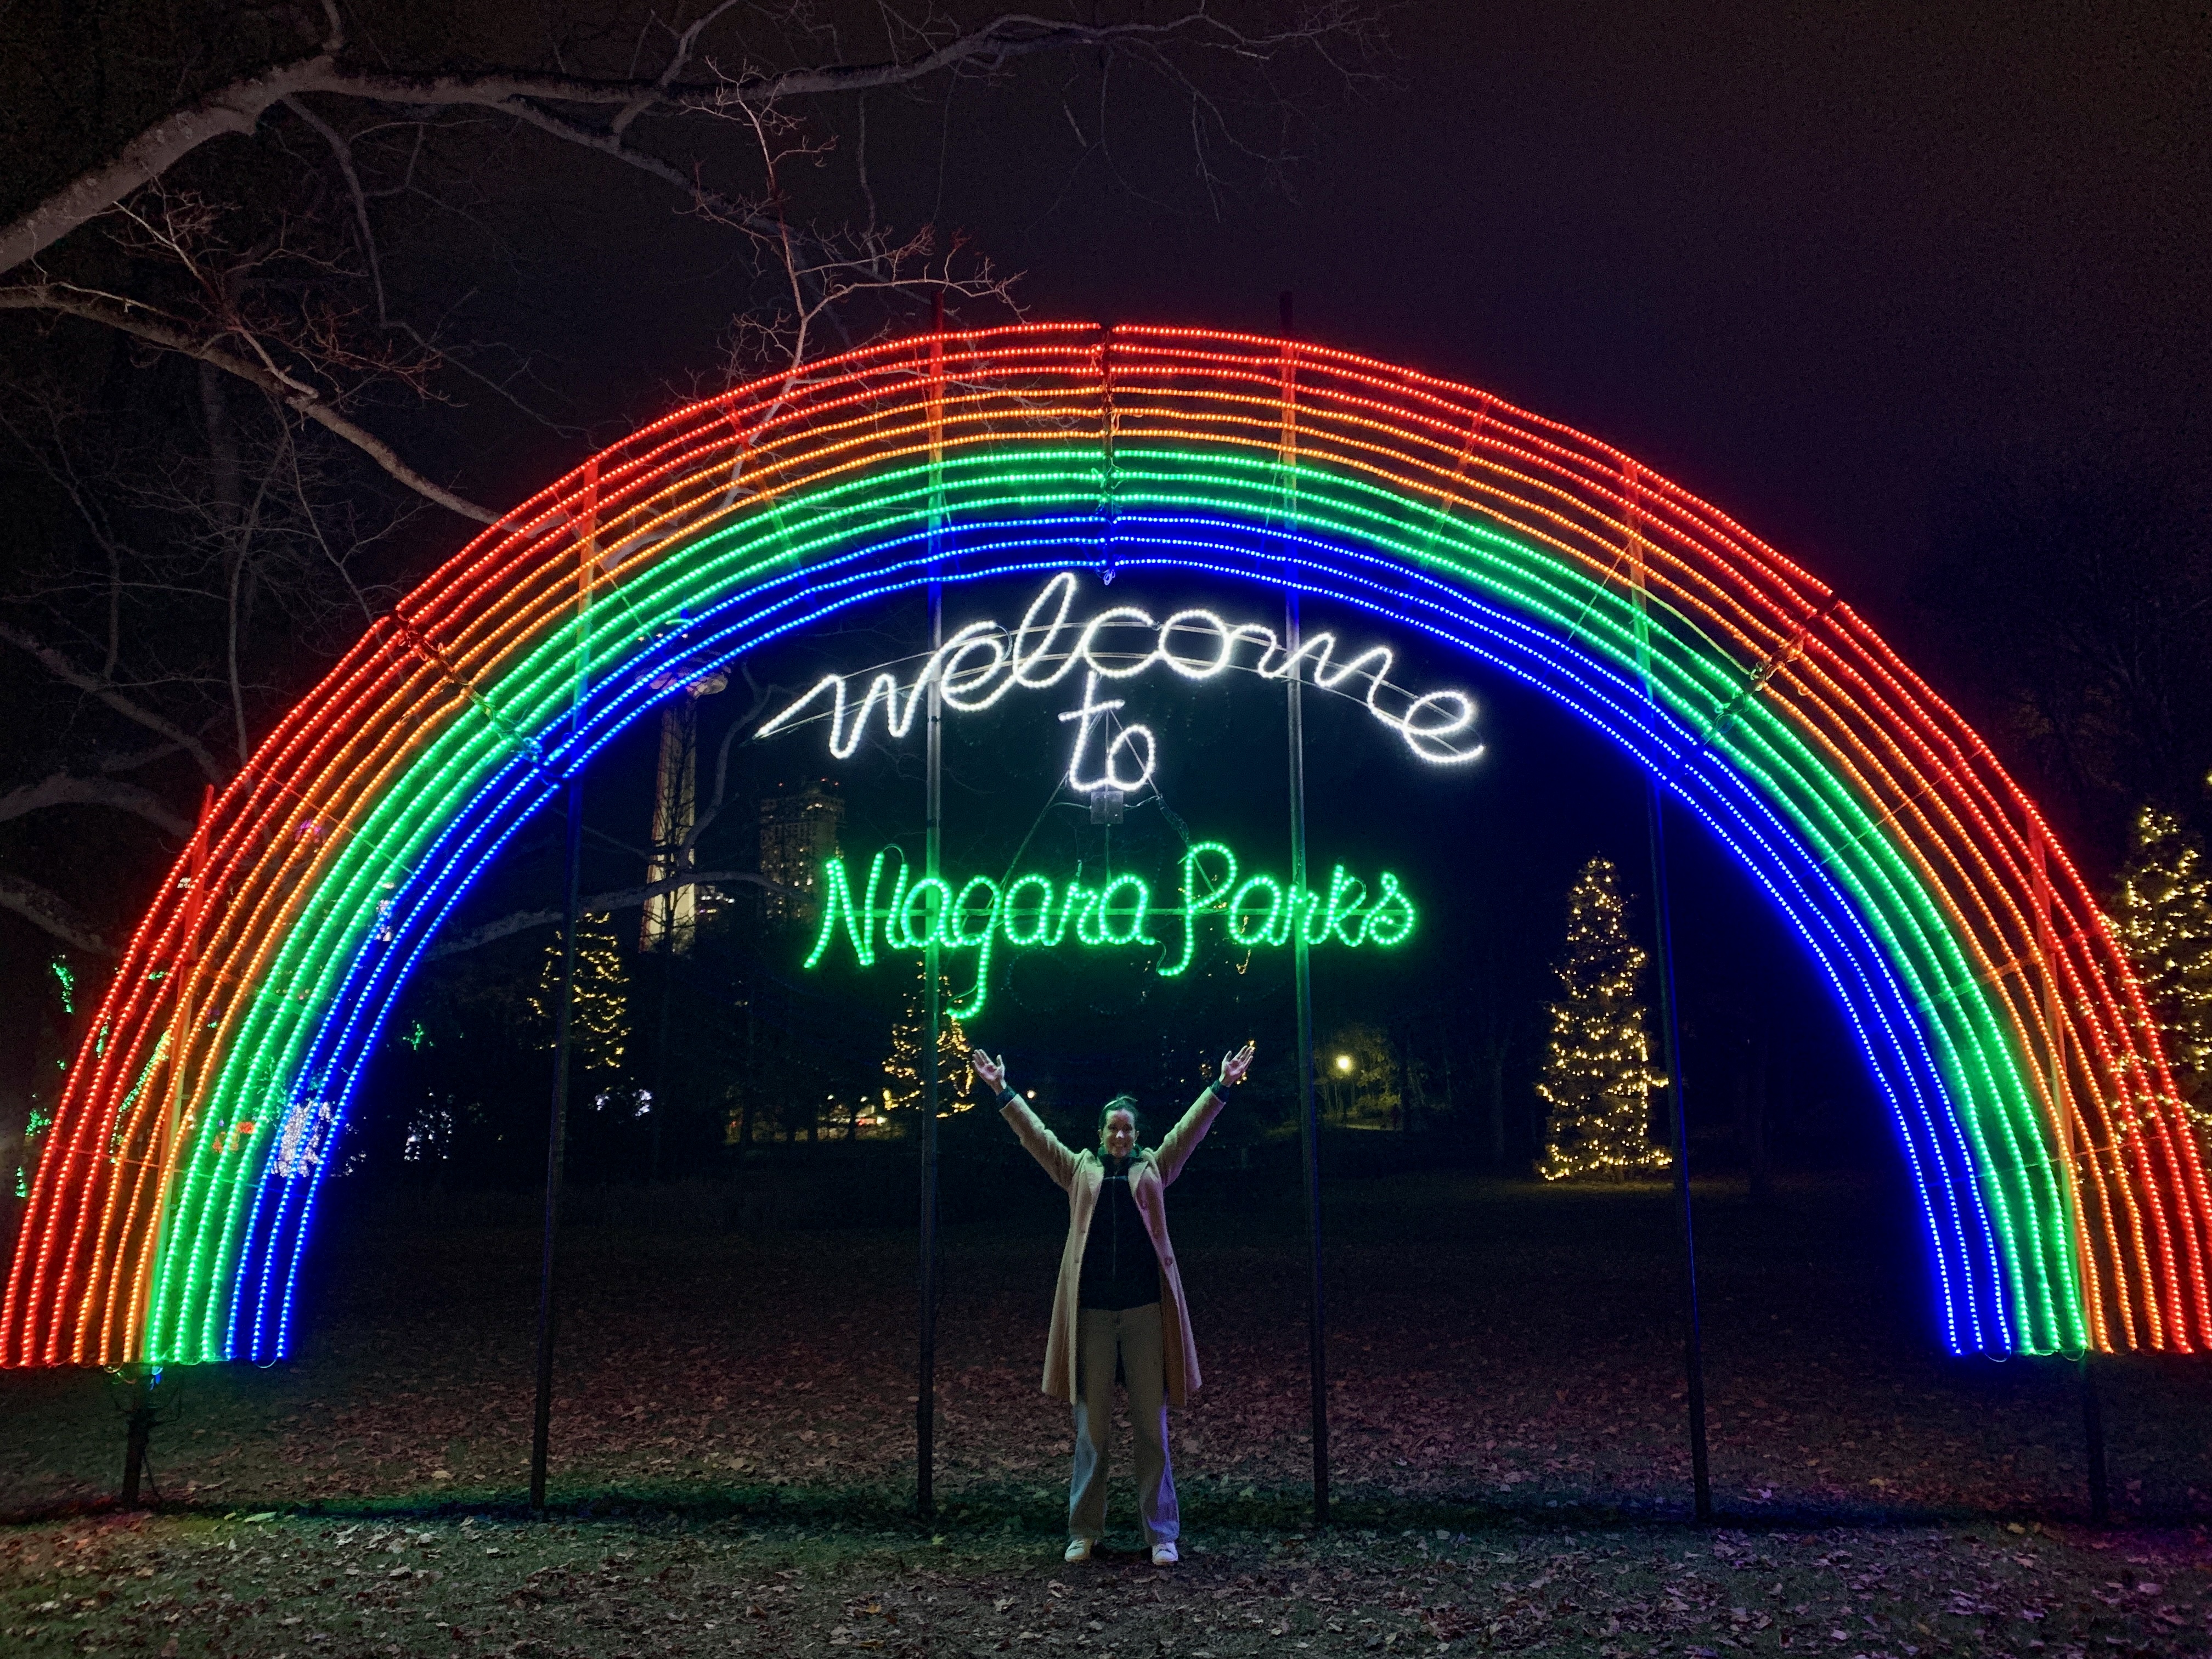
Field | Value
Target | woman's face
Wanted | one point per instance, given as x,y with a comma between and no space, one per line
1120,1134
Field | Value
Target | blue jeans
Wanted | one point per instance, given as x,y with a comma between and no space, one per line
1133,1337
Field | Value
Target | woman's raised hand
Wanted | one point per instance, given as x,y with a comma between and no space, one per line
1233,1068
991,1073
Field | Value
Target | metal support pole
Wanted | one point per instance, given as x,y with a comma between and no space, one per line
2092,1434
1694,1355
1302,963
138,1431
181,1032
660,1063
1309,1125
925,1392
556,1139
2069,1161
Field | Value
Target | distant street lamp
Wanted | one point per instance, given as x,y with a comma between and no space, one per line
1335,1086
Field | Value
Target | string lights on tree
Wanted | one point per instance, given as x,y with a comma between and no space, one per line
599,1034
903,1086
2162,911
39,1118
1598,1077
330,862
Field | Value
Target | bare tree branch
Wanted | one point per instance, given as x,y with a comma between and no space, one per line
341,152
186,598
143,322
237,108
55,663
611,144
678,60
66,789
135,759
51,913
689,847
626,898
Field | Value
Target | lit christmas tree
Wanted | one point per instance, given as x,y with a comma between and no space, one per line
600,1034
903,1081
2162,913
1597,1075
57,1039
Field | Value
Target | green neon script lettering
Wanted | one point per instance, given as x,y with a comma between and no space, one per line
1199,895
1034,912
859,922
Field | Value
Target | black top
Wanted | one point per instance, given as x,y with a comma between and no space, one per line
1120,1269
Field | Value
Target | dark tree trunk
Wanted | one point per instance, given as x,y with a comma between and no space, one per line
1405,1085
751,1085
1755,1115
228,484
1495,1067
1532,1115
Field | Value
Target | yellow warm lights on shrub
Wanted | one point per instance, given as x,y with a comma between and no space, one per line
1597,1076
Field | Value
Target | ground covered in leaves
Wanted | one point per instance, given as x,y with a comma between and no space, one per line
734,1452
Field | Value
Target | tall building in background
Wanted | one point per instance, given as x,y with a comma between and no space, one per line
671,919
798,835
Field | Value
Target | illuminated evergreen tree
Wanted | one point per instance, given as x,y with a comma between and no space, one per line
903,1080
1597,1079
599,1036
2162,913
56,1040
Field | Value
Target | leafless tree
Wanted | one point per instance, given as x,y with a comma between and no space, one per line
2101,688
253,368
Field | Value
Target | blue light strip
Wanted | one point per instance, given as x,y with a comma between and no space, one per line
763,605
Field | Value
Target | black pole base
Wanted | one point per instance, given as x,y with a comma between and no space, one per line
2092,1435
557,1145
1693,1353
139,1419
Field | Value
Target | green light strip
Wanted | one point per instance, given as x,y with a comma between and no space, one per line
980,914
447,754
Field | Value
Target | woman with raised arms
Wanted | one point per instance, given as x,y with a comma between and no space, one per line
1119,1297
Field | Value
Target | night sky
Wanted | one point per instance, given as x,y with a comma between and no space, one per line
1806,260
1816,263
1813,262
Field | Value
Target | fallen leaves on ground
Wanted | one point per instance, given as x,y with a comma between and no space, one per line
734,1439
189,1586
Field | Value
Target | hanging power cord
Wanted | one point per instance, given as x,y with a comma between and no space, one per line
1174,818
1050,801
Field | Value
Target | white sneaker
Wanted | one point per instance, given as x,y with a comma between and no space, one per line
1164,1555
1079,1549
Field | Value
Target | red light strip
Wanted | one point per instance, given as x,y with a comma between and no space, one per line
88,1270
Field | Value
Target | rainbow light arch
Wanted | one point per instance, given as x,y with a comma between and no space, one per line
2061,1186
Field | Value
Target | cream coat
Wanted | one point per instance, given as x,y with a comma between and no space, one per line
1082,1176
